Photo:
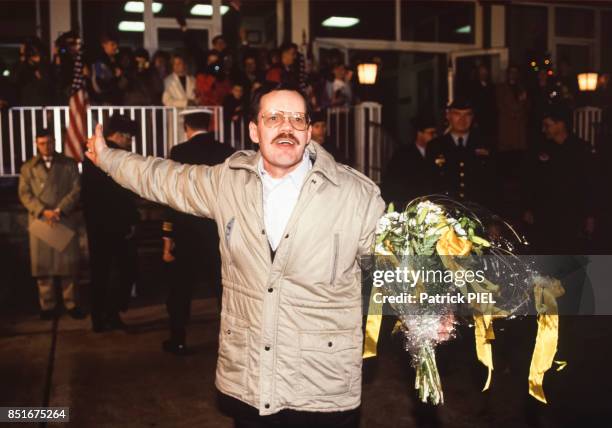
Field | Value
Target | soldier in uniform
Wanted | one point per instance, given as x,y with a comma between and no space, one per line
111,217
49,187
408,174
192,243
462,162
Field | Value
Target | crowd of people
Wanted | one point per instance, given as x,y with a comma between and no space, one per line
190,76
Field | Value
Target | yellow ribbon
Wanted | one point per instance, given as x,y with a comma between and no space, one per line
484,334
371,335
546,292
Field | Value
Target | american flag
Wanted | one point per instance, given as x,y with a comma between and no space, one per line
76,138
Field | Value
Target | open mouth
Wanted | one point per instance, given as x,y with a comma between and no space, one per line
285,140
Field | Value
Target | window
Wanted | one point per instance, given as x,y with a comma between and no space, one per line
438,21
371,20
573,22
95,24
606,41
527,36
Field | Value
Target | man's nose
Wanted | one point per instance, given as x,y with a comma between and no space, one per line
286,124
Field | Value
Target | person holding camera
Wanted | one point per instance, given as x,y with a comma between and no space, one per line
31,77
108,78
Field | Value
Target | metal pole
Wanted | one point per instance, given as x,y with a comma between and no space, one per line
1,147
143,128
80,17
12,141
38,20
165,125
154,128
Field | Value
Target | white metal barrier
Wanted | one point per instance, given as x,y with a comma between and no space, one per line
370,151
586,123
355,131
158,129
339,130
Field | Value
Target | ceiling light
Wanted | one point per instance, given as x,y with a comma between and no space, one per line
137,26
340,21
138,7
206,10
467,29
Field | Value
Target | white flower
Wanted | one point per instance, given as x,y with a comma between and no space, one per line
459,230
430,206
432,218
383,225
393,216
381,250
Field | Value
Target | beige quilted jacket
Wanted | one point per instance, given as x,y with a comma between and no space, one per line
290,334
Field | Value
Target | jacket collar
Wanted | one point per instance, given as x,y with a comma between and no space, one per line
322,162
39,157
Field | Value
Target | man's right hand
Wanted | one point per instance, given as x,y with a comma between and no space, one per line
96,145
51,216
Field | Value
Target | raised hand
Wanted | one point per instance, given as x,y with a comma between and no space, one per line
96,145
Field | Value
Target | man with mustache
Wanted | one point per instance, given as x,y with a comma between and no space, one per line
293,225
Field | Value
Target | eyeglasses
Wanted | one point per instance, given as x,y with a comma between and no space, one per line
274,119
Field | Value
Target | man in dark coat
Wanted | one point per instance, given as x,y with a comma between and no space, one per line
558,190
192,243
111,217
462,162
408,175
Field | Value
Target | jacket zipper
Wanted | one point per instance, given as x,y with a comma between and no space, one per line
335,259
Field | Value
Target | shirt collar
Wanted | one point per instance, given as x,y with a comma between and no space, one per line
297,176
41,158
198,133
456,137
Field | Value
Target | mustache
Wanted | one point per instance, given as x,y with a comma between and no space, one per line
285,136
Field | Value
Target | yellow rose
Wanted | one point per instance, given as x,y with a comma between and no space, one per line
450,244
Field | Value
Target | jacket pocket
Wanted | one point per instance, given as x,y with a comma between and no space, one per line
229,227
335,252
233,342
325,362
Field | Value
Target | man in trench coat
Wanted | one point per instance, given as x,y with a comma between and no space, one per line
49,188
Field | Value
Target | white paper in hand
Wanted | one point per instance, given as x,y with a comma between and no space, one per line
57,236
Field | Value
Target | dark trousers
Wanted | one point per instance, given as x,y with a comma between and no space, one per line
246,416
178,303
194,265
113,270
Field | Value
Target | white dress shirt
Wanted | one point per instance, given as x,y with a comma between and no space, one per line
48,160
464,137
280,195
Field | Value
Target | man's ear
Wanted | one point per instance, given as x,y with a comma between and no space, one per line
309,133
253,132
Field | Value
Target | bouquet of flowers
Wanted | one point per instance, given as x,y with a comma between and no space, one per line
437,234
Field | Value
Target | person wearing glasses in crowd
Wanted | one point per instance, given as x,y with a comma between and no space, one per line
293,224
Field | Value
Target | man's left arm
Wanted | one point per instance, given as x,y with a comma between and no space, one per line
374,210
70,200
